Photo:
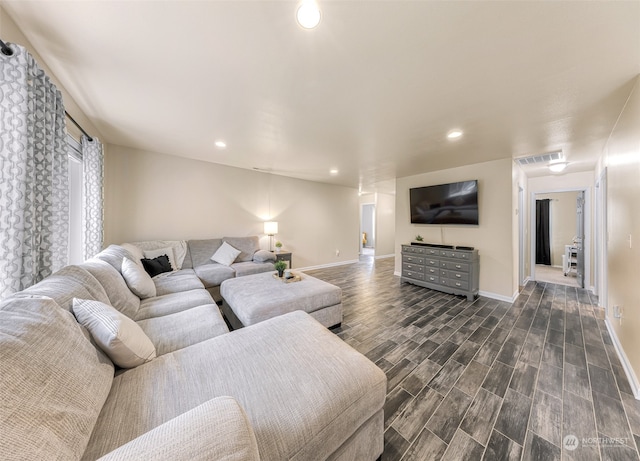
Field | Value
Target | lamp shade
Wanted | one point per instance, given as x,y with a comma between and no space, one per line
271,227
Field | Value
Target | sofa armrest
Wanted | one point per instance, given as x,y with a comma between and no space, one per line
217,429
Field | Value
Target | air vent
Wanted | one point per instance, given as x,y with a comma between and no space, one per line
537,159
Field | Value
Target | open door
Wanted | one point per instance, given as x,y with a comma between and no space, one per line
580,239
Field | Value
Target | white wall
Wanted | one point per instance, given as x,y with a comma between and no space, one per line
385,224
156,196
492,237
622,161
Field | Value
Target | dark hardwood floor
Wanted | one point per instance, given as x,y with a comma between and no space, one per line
538,379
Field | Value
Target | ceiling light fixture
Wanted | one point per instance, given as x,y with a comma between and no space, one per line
308,14
454,134
333,171
221,144
558,166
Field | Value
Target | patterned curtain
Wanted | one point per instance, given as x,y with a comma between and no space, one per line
93,172
34,184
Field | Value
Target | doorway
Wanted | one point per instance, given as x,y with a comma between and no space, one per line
367,229
559,237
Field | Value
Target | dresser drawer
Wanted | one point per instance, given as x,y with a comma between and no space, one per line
413,275
412,267
455,283
410,259
455,266
432,270
416,250
432,262
407,250
458,275
432,252
432,278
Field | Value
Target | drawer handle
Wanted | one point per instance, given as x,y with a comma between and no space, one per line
409,274
458,266
409,258
458,275
409,266
458,284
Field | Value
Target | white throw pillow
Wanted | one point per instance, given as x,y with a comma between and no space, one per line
138,281
150,254
118,336
226,254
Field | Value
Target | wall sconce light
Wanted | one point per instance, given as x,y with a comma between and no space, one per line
271,229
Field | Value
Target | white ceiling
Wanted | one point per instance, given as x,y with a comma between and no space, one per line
372,91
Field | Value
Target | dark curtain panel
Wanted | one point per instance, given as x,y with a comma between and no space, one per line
543,248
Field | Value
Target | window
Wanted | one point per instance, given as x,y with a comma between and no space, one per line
76,255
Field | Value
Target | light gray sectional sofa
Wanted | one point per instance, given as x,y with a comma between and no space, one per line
285,388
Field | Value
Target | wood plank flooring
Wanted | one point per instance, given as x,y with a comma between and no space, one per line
538,379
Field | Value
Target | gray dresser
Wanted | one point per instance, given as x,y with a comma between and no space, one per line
446,269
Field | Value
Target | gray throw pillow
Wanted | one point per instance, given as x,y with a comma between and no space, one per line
262,256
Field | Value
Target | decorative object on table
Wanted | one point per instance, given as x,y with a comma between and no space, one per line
271,229
280,267
278,246
419,238
292,278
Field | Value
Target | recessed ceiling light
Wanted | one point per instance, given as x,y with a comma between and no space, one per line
308,14
333,171
221,144
454,134
558,166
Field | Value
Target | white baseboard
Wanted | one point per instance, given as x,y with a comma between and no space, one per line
324,266
499,297
631,376
392,255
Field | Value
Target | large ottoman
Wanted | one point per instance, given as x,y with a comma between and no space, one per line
254,298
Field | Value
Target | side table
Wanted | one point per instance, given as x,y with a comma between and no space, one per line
284,255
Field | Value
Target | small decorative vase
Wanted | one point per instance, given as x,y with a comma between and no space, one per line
280,273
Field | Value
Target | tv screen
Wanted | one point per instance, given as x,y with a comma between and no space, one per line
455,203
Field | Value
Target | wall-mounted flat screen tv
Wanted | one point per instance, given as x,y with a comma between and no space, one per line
455,203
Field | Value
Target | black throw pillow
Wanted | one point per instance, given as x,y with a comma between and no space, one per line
157,265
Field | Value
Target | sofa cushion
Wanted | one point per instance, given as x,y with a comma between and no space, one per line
247,246
113,254
250,268
68,283
176,331
202,250
189,436
172,303
212,275
53,381
262,256
120,296
175,282
137,279
304,397
225,255
117,335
